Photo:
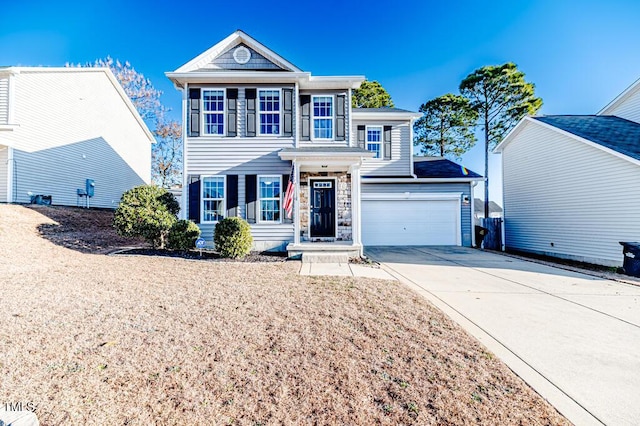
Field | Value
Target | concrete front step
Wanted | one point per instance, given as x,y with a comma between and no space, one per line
324,257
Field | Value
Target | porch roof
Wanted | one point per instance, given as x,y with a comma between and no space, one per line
329,158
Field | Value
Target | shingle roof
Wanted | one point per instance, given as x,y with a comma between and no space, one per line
327,149
612,132
437,167
478,206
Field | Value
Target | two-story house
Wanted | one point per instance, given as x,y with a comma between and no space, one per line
255,123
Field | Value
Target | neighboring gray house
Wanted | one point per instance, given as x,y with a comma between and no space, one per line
571,183
495,210
61,126
250,115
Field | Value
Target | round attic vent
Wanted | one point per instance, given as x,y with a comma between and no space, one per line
241,55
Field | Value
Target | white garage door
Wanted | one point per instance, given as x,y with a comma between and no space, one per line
410,222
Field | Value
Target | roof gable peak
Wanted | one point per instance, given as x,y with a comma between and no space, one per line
206,60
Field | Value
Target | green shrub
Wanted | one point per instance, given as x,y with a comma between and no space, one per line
232,237
146,211
183,235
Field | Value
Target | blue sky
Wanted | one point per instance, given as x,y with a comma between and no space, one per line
579,54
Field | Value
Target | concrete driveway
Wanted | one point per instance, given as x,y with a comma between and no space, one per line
574,338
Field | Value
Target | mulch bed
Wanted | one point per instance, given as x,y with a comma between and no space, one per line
206,255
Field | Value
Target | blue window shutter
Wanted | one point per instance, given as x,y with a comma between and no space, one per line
232,195
250,97
341,122
194,199
232,112
194,112
305,110
361,136
251,194
387,142
287,112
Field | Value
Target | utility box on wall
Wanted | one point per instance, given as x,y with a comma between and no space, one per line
90,187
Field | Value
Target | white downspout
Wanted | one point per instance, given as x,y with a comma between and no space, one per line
185,185
355,206
411,147
473,221
10,176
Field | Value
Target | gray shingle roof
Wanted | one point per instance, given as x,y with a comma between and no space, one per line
478,206
327,149
437,167
610,131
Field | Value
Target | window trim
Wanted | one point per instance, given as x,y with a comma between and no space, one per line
203,112
312,129
381,142
259,200
259,112
202,198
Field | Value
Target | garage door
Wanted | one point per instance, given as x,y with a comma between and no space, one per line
410,222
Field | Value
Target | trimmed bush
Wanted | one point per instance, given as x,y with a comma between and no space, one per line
183,235
232,237
146,211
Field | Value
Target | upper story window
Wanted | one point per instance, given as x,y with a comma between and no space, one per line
269,190
213,208
374,140
213,111
322,117
269,111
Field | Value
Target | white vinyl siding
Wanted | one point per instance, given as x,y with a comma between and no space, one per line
629,108
565,198
82,129
400,163
4,100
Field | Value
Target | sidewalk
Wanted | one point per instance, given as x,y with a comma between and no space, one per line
345,269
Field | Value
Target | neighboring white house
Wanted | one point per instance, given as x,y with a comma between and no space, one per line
572,183
250,115
62,126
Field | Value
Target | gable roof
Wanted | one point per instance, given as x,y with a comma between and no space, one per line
478,206
609,131
438,167
236,38
622,97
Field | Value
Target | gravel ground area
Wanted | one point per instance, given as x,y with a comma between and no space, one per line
91,339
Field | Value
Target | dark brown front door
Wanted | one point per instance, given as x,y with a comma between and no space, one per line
323,208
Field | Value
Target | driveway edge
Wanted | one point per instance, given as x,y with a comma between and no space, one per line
568,407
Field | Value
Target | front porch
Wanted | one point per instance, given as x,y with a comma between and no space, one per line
326,207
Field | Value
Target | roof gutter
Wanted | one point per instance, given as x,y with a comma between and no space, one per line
421,180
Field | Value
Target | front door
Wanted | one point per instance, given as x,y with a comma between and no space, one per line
323,208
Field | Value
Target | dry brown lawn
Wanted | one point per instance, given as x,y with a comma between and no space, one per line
96,340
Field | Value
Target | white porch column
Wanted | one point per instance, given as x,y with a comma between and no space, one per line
355,205
296,204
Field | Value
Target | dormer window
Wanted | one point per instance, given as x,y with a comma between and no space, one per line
213,112
269,110
323,117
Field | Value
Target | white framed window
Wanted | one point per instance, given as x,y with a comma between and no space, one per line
322,117
269,198
213,111
374,140
213,198
269,111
